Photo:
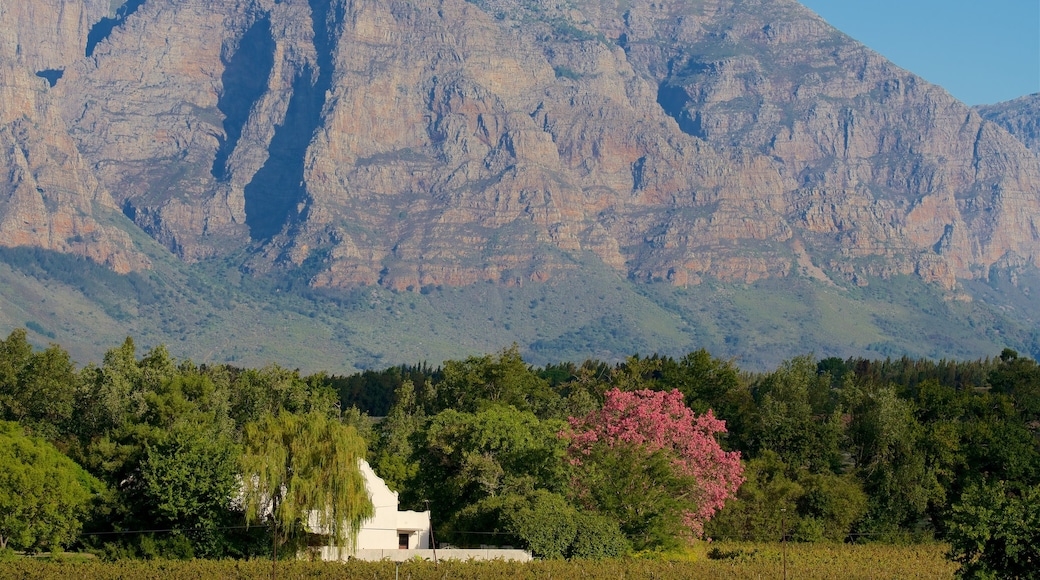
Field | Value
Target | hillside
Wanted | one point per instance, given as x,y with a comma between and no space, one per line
337,184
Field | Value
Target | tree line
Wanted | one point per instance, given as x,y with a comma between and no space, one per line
567,460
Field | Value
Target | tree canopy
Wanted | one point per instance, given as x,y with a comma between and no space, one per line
44,495
864,450
674,457
301,472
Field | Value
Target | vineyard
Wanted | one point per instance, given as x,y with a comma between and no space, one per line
724,560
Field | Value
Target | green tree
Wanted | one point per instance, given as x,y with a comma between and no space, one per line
544,523
1019,377
159,433
703,380
504,379
44,495
886,445
392,452
267,391
465,457
756,513
37,389
186,481
830,506
994,532
302,470
797,417
641,490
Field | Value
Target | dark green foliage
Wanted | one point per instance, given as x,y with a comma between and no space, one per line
796,416
255,393
1019,378
187,481
885,447
706,381
545,522
37,389
44,495
373,391
641,492
995,531
540,521
816,506
598,537
465,457
392,450
852,449
503,379
765,507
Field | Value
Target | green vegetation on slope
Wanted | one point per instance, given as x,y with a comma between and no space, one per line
215,313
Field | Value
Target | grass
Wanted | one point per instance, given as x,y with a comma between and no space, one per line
803,561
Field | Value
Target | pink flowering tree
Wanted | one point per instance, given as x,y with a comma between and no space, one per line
649,461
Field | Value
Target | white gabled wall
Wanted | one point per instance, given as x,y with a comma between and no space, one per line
381,532
378,537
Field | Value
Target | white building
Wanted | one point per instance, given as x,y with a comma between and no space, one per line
390,528
400,535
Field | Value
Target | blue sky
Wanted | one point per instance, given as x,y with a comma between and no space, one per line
982,51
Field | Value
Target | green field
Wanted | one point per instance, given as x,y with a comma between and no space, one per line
719,561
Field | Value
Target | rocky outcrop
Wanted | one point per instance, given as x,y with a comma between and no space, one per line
432,142
1021,118
885,164
49,197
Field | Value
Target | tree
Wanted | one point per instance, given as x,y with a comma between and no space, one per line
766,500
302,470
797,417
489,380
392,455
994,532
256,393
819,506
163,440
186,480
645,457
886,447
43,494
36,388
544,523
704,380
465,457
1019,377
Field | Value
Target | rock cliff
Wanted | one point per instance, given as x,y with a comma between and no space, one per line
49,195
411,143
1021,117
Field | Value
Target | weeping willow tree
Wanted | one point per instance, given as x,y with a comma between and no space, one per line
300,472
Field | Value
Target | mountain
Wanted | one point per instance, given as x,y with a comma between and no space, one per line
1021,117
651,176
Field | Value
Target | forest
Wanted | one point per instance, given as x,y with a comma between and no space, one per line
142,455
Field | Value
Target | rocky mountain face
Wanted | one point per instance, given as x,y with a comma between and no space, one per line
1021,117
49,195
410,143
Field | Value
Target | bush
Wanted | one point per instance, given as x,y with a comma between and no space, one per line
995,532
597,538
544,523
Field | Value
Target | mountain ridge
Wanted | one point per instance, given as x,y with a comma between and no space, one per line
415,145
